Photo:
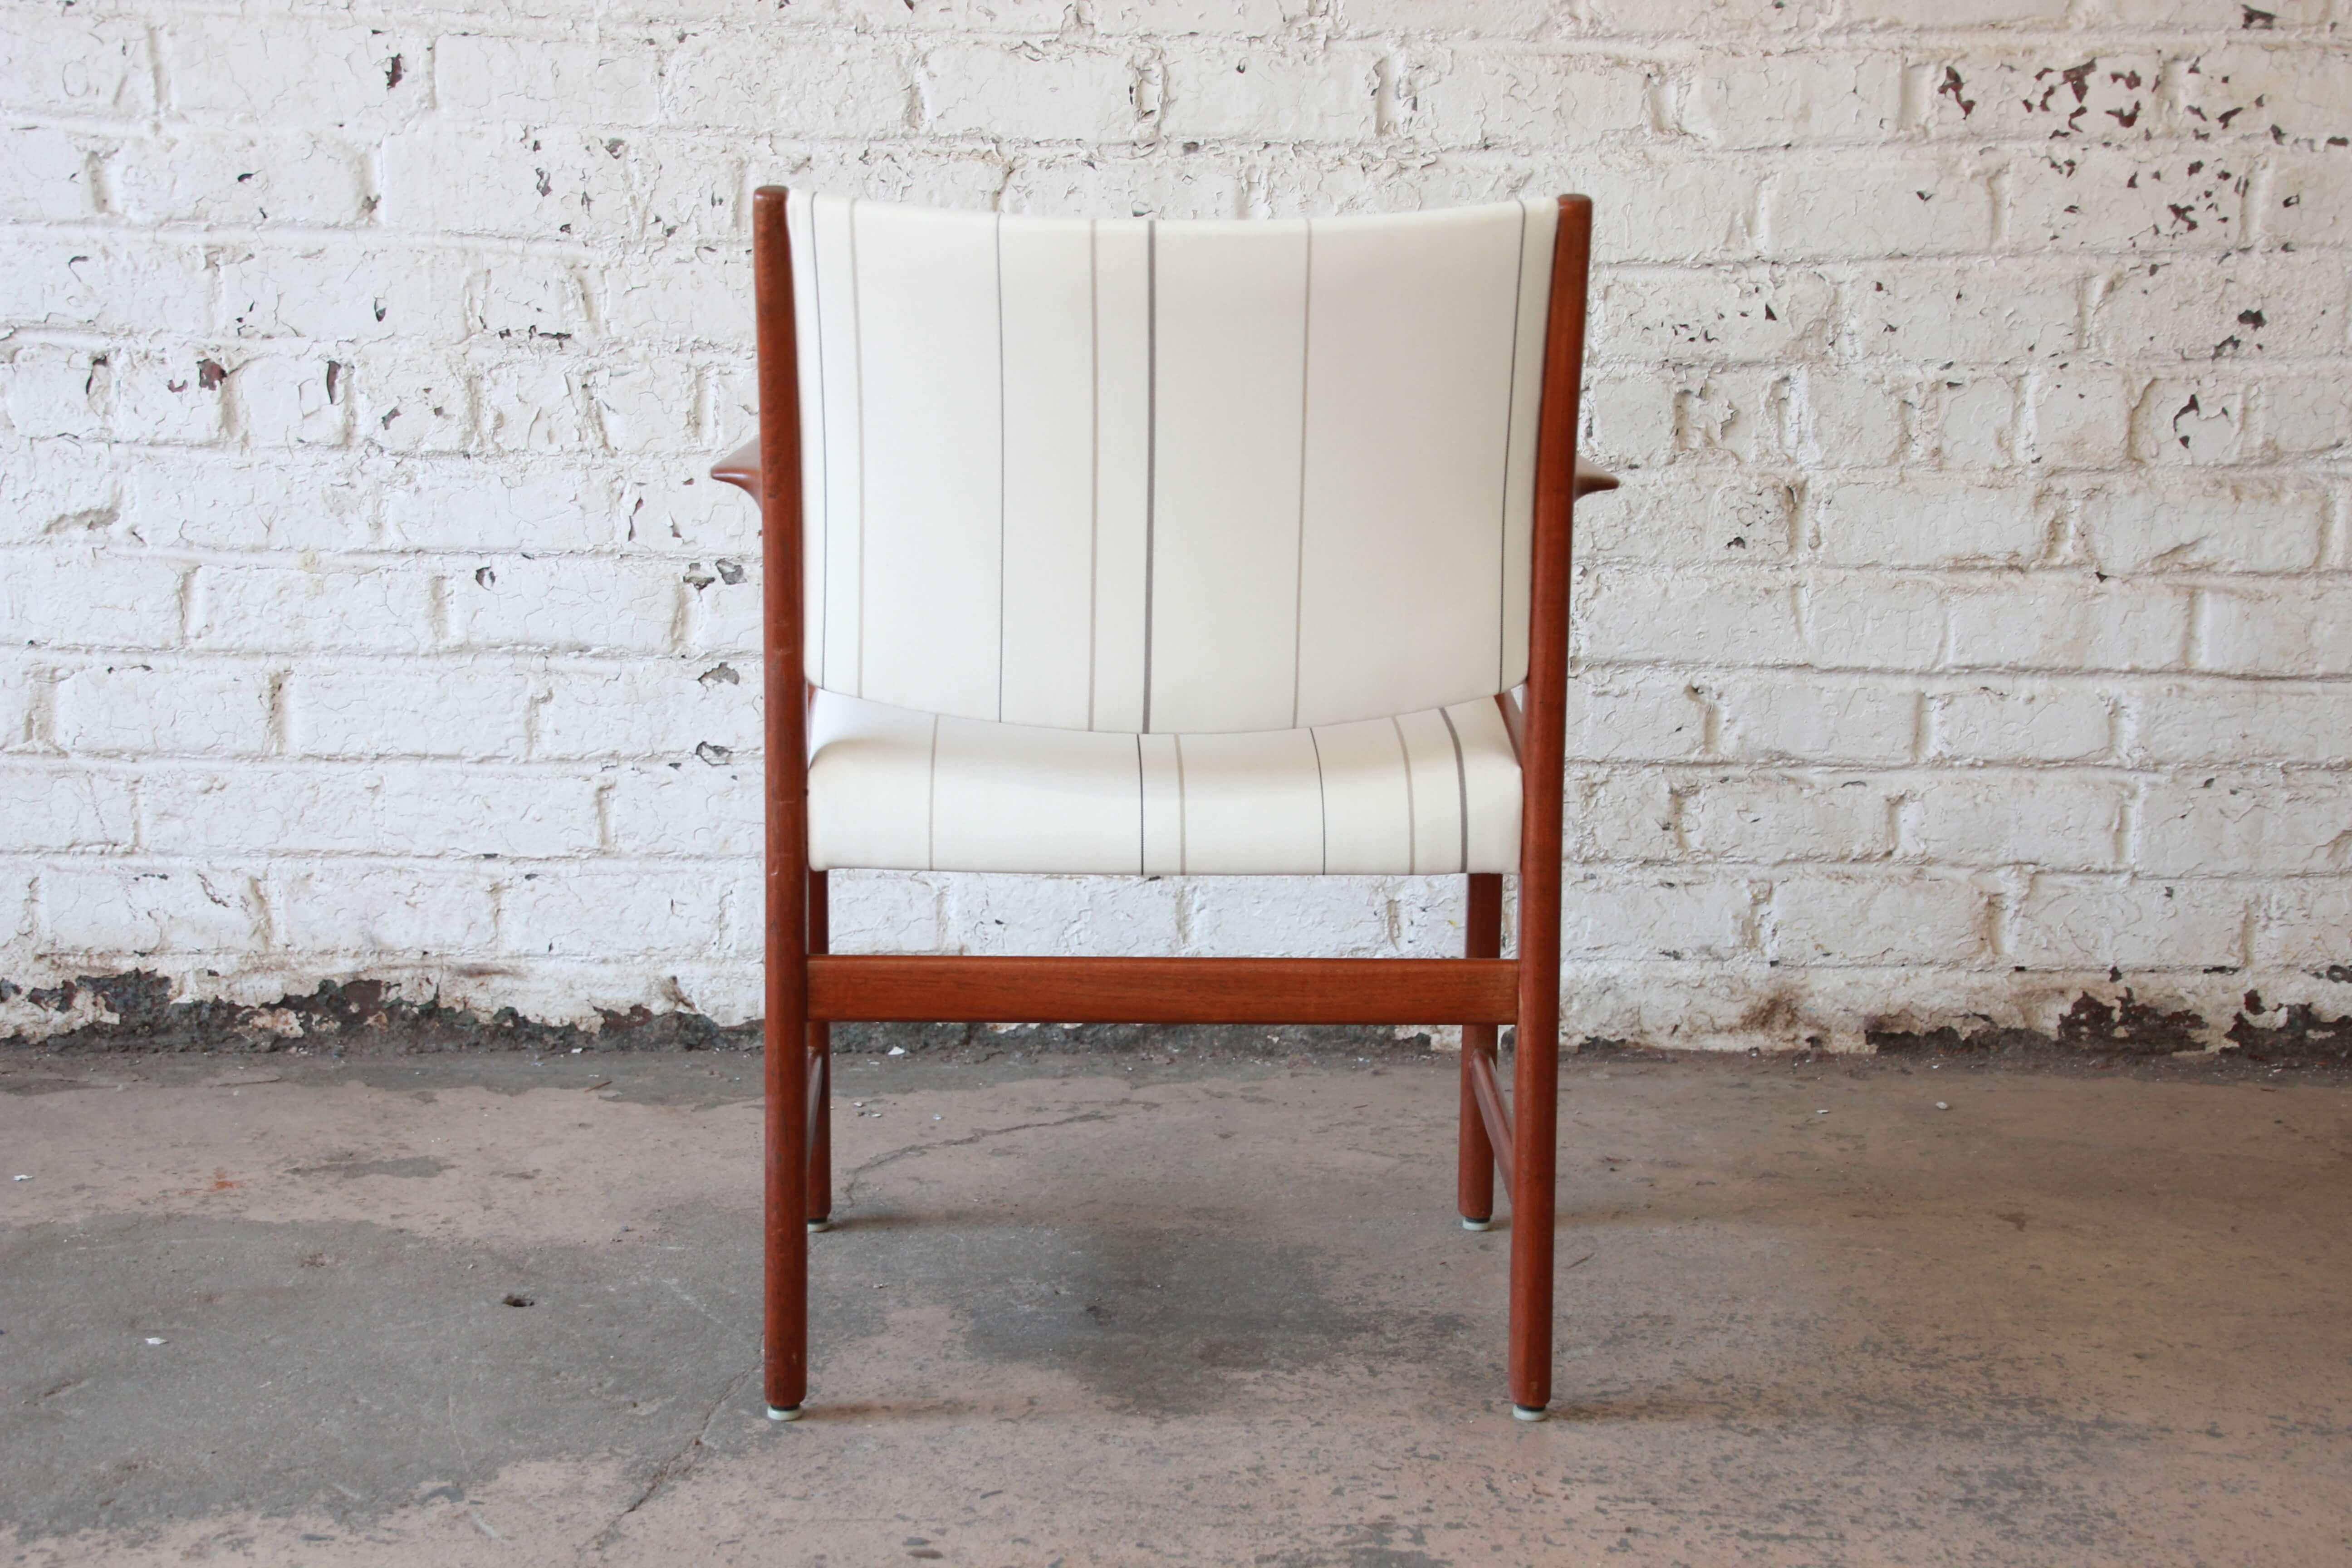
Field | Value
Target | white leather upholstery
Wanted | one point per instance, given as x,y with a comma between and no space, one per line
894,789
1137,476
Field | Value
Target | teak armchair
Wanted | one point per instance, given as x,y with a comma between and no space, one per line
1164,548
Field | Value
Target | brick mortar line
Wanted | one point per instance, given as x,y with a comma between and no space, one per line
1643,46
608,349
1720,872
1609,146
1810,567
1758,771
1585,663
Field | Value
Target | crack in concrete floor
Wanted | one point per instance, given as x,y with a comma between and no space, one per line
674,1467
846,1196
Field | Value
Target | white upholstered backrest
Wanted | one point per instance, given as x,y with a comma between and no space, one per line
1152,476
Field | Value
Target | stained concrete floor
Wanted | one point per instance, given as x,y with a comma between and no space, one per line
479,1310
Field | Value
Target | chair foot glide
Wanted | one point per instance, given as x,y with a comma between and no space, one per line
1518,1412
817,1226
1487,1223
783,1413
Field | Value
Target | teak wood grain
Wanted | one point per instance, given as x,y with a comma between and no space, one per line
785,736
881,990
1476,1148
1536,1062
1494,1115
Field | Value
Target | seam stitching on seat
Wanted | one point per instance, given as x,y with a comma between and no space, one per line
1412,814
1503,705
1322,802
931,804
1461,783
1183,814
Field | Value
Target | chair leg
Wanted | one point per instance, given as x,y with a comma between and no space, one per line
820,1044
785,1327
1474,1177
1535,1116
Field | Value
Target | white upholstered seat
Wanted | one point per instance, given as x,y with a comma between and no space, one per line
894,789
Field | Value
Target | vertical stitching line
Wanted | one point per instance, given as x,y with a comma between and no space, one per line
1299,569
825,455
1151,451
1094,518
931,804
1322,801
1183,814
1461,783
1002,446
1412,814
1510,433
1142,816
857,352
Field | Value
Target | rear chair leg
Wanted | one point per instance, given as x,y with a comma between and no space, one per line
1474,1177
820,1046
784,1124
789,1138
785,1335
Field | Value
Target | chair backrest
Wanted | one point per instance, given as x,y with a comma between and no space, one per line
1151,476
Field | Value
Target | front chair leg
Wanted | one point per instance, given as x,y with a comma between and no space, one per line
1534,1133
1474,1173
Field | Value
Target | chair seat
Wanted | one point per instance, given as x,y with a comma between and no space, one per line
893,789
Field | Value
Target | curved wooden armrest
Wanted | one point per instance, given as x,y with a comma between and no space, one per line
740,468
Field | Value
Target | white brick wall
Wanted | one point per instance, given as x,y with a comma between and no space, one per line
1974,630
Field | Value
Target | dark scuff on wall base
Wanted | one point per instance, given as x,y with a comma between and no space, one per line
2295,1035
344,1016
134,1011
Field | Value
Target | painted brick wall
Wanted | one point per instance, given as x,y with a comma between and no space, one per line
1972,633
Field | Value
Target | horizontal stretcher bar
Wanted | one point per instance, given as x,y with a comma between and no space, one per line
928,989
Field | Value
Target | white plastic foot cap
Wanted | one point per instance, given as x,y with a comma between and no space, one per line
817,1224
780,1413
1477,1225
1518,1412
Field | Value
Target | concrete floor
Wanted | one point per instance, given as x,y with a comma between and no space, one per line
470,1309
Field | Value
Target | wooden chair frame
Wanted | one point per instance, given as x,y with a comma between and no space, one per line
809,988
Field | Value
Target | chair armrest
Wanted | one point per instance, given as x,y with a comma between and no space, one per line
740,468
